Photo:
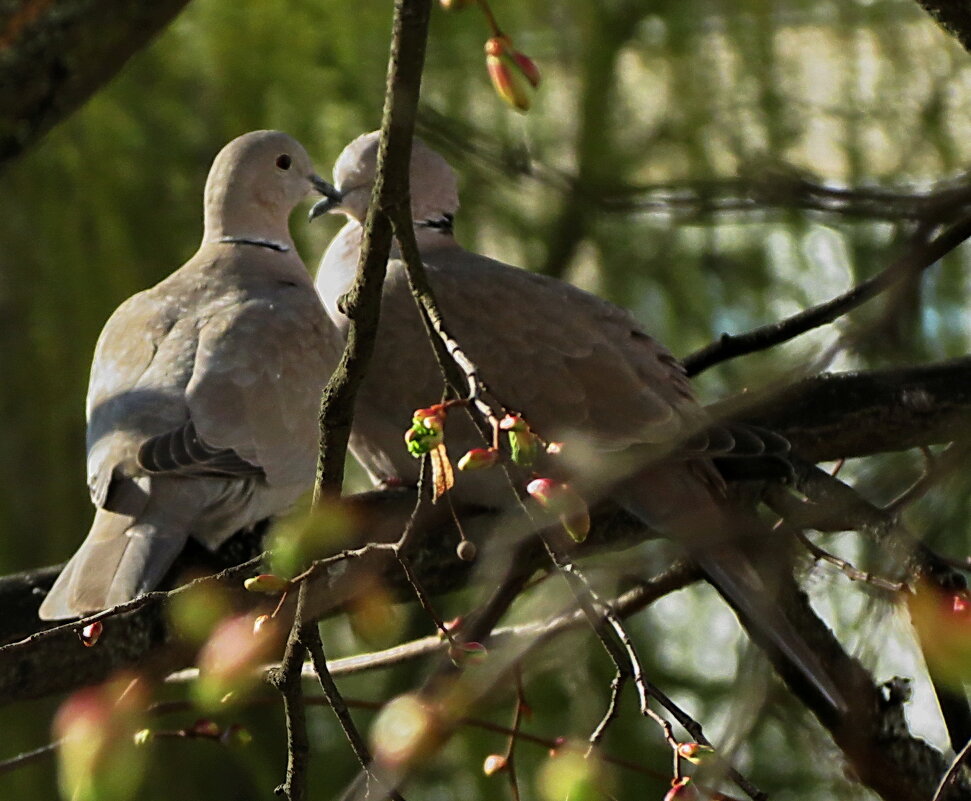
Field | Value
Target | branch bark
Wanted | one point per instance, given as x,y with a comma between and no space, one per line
954,16
55,55
362,304
847,415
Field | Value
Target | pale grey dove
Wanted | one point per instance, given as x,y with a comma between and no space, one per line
204,390
576,367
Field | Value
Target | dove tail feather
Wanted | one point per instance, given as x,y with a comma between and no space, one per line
677,504
732,574
119,560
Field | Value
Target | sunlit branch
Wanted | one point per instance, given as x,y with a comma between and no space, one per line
922,254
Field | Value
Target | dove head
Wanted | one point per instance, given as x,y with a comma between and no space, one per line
254,184
434,187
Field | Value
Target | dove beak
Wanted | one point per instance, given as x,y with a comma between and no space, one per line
332,197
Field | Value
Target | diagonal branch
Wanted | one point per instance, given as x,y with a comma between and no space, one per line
57,54
921,255
954,16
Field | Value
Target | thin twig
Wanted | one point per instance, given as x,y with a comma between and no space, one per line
921,255
847,568
286,679
315,646
613,708
29,757
135,603
476,389
626,663
536,633
514,735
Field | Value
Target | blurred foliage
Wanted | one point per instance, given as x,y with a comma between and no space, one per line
636,96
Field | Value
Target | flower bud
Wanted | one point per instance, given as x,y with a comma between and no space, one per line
681,790
513,422
91,633
436,411
228,661
467,654
494,763
513,74
695,753
478,459
523,443
267,583
561,500
260,622
527,67
405,731
426,434
451,626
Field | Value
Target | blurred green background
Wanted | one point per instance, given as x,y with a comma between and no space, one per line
651,114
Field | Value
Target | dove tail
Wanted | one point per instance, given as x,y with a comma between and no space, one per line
677,504
731,574
120,560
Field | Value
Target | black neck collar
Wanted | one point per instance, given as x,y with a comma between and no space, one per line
443,223
270,244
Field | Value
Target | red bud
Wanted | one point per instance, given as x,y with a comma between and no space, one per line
260,622
562,501
468,653
478,459
513,422
91,633
527,67
695,753
507,69
681,790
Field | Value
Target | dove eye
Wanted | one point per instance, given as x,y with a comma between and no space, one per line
284,162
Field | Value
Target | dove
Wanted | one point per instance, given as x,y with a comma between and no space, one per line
204,389
578,369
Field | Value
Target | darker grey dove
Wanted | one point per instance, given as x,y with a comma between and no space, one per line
204,390
578,369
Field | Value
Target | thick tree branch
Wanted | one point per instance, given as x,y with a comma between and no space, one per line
826,417
954,16
861,413
55,55
845,415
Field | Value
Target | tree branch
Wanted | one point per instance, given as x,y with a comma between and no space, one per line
846,415
57,54
921,255
954,16
826,417
362,304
